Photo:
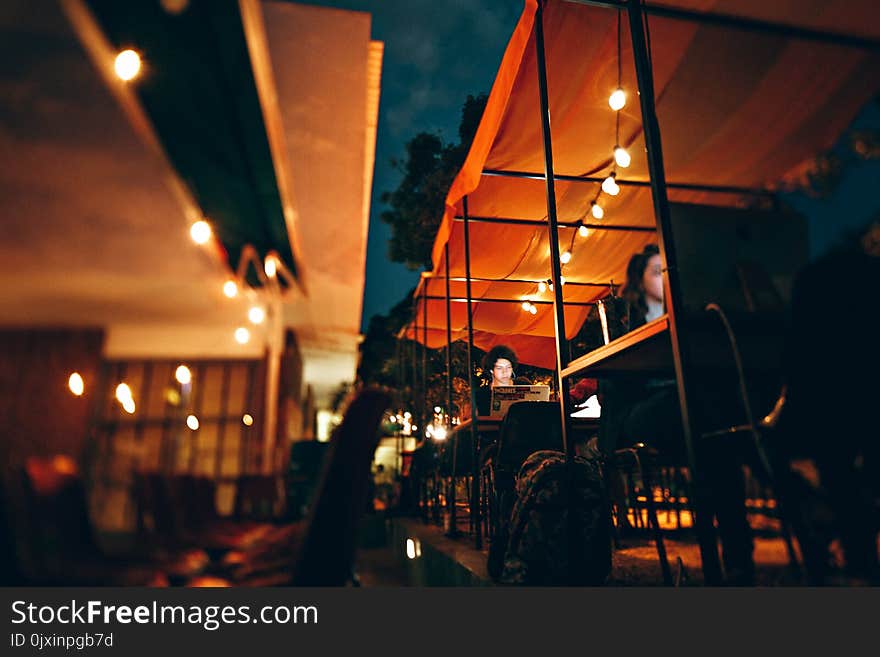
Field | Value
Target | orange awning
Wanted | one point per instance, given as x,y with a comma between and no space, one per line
737,109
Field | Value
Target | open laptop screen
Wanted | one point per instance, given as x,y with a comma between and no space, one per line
504,396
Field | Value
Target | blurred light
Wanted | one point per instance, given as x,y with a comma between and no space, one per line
440,433
76,385
123,392
437,409
413,548
172,396
200,231
533,310
393,419
526,305
565,258
256,315
183,375
127,65
270,266
128,405
542,287
230,289
192,422
247,419
407,415
617,99
621,157
414,428
174,6
597,211
610,186
583,231
562,280
242,335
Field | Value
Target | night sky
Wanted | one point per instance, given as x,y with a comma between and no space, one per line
439,51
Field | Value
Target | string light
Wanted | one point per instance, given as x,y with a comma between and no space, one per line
617,99
242,335
610,186
256,315
526,305
192,422
200,231
270,266
230,289
565,258
583,231
76,384
183,375
123,392
247,419
542,287
533,309
127,65
622,158
597,210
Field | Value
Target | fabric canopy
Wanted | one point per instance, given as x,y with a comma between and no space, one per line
738,109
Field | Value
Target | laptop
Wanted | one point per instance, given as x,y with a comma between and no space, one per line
504,396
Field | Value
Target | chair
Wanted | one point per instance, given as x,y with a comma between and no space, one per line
528,427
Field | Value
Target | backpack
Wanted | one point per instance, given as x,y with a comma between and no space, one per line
537,552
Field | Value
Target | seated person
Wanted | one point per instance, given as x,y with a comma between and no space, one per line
635,410
499,365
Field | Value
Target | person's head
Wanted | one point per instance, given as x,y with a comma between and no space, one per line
644,277
500,365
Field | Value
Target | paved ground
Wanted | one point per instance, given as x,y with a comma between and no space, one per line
441,561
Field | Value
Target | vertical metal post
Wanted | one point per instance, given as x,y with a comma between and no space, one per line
451,439
651,126
553,227
476,511
425,411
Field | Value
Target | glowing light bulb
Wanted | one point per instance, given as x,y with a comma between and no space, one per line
76,385
617,99
610,186
440,433
129,406
270,266
597,211
242,335
533,310
183,375
230,289
621,156
256,315
542,287
415,428
583,231
526,305
127,65
392,419
123,392
562,280
247,419
565,258
200,232
436,409
192,422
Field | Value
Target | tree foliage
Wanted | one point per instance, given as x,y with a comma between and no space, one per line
415,208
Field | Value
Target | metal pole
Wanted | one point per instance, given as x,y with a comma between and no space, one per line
644,74
451,440
476,511
555,266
